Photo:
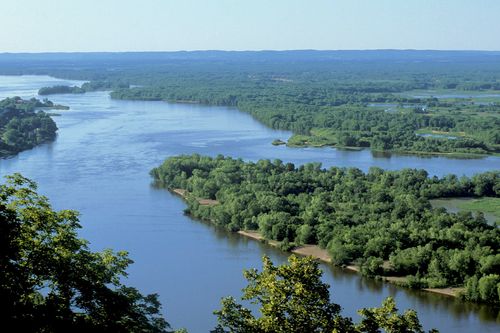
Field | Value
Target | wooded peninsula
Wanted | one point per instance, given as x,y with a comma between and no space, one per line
381,221
22,127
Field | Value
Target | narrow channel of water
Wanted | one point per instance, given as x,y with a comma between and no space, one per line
99,165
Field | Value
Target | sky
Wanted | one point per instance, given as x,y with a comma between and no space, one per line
172,25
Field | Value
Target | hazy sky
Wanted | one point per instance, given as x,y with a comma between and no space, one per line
168,25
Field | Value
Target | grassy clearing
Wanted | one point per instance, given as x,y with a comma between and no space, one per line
485,205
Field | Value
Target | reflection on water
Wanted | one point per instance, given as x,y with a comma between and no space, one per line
99,165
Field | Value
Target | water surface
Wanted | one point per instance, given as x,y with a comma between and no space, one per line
99,165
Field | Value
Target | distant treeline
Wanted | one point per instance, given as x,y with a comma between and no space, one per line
21,127
462,70
60,90
86,87
381,220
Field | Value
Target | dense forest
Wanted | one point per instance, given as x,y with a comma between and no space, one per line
435,102
380,220
22,127
52,282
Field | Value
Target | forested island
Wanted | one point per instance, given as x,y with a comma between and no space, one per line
86,87
381,221
22,127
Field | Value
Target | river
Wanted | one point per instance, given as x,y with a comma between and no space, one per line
99,166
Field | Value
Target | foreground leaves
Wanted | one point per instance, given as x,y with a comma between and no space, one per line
52,282
292,298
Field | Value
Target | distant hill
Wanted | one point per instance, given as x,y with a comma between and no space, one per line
49,63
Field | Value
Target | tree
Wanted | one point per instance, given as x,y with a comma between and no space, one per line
387,318
52,282
490,264
305,234
293,298
488,288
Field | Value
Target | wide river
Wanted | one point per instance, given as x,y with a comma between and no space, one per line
99,166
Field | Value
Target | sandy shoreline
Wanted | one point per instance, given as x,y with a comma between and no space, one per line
321,254
204,202
453,292
313,251
251,234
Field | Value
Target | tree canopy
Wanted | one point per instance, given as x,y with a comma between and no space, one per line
293,299
51,281
21,127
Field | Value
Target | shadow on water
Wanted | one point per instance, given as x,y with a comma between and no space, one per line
428,156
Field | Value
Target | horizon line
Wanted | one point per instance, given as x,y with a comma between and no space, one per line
248,51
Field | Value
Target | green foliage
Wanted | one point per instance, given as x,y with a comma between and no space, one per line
52,282
490,264
86,87
21,127
292,298
60,90
372,266
359,217
411,260
484,289
286,246
488,288
305,234
388,319
485,205
471,292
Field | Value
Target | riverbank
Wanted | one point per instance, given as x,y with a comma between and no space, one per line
318,253
316,141
321,254
54,107
454,155
185,195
